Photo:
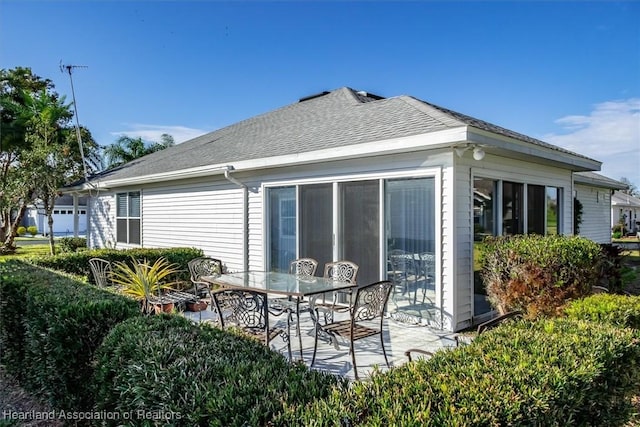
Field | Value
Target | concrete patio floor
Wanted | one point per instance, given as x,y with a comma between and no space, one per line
398,337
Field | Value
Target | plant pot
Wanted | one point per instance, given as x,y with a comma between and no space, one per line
165,307
197,305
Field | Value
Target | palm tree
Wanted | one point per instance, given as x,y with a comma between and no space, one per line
126,149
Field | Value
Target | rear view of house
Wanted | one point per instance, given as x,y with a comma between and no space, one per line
347,175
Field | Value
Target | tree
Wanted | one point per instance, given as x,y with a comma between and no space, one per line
15,86
41,154
631,189
126,149
49,160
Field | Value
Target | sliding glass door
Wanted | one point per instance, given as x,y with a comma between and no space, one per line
282,228
316,223
344,220
360,227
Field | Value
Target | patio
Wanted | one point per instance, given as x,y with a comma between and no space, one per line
398,338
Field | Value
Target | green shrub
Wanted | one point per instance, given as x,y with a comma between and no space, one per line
32,229
538,274
198,375
616,234
50,328
618,310
72,244
78,262
21,231
552,372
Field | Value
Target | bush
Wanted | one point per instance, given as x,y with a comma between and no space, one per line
618,310
78,262
50,328
546,373
612,268
21,231
72,244
538,274
617,234
32,229
198,375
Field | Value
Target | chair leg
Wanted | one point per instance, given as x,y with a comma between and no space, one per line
289,337
384,352
315,346
353,358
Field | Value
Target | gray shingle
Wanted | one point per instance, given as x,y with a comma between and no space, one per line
335,119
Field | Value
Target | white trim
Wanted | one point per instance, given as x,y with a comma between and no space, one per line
365,176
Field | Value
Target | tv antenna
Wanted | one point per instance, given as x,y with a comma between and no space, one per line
69,69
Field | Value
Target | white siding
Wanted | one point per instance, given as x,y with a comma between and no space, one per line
206,215
256,229
102,222
596,211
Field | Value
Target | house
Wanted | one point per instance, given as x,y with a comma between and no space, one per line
625,209
346,174
594,194
69,216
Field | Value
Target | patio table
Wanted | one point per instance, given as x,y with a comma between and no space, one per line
294,286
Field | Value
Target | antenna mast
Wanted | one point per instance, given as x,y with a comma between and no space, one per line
69,69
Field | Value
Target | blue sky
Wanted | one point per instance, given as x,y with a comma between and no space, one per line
564,72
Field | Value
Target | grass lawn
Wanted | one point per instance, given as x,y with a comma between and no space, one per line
25,251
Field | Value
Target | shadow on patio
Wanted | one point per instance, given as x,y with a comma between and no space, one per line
398,338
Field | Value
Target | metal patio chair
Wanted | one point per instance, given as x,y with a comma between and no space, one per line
101,271
248,310
344,271
369,304
203,266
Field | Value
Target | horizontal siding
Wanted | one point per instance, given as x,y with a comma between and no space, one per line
206,215
596,213
101,221
256,238
463,245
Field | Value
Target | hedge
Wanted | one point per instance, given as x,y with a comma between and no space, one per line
553,372
198,375
618,310
50,328
78,262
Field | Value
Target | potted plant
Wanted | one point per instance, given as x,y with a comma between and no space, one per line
145,281
197,305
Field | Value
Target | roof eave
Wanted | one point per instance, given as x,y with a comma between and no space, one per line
525,150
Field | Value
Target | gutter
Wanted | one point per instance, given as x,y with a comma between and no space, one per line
245,215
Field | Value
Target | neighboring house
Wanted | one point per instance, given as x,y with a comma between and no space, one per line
594,193
345,175
626,209
63,216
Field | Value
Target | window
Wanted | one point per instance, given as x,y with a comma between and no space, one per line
512,220
282,227
128,217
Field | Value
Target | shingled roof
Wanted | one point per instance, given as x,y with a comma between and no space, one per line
330,119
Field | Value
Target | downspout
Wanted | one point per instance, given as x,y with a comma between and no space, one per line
245,216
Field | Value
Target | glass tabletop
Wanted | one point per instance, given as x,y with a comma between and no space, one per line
278,283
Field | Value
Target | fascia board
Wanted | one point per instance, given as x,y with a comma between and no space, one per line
572,161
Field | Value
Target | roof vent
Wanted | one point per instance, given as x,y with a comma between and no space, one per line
362,93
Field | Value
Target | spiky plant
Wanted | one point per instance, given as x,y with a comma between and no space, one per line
140,279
